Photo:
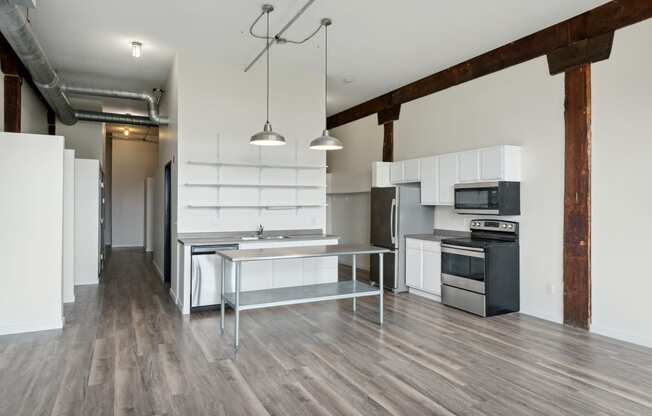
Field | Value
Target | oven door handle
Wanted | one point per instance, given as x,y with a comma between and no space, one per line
463,251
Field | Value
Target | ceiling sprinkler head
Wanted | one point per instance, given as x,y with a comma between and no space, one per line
268,8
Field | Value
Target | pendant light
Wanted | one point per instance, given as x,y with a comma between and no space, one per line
267,137
326,141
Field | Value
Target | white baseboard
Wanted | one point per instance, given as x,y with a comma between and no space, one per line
423,294
622,335
87,283
128,246
21,327
69,300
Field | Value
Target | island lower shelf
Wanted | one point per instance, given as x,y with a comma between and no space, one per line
346,289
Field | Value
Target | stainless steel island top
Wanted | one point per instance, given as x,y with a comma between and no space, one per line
292,295
300,252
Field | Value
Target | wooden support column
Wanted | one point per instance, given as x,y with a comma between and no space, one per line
577,198
12,86
52,122
387,117
388,142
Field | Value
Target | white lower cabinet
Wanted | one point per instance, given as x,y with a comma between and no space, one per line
269,274
423,266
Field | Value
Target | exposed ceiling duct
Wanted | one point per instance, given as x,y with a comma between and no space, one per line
154,116
114,118
18,32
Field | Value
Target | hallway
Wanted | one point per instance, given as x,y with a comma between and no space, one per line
126,351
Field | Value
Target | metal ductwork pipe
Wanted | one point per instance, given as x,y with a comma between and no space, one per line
19,34
114,118
154,116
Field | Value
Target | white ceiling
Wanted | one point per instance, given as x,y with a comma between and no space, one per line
380,45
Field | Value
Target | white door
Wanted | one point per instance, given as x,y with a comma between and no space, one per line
287,273
432,271
447,167
491,163
411,171
413,267
469,166
429,181
396,172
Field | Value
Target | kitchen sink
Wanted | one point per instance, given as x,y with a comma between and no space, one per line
269,237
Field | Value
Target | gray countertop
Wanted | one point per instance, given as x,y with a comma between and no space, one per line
438,235
204,239
300,252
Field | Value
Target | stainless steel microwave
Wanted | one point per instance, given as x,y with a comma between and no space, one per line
489,198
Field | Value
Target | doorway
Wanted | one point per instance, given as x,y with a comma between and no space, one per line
167,224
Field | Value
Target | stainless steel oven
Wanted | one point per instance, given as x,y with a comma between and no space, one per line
491,198
463,278
480,274
463,267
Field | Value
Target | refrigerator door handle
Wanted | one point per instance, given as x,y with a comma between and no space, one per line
392,220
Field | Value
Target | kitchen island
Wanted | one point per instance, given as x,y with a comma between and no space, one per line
194,265
351,289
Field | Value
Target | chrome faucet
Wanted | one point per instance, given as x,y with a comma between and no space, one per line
259,230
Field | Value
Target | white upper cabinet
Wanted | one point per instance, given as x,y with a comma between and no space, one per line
429,181
447,171
469,166
396,172
491,163
439,174
411,170
405,171
380,174
497,163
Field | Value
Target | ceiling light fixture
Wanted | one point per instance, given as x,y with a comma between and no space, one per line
126,132
267,137
136,49
326,141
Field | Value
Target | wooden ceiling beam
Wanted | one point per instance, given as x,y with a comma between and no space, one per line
600,21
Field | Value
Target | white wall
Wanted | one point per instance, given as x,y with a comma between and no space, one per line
621,197
31,212
86,221
68,226
85,137
33,113
224,101
167,151
133,161
349,213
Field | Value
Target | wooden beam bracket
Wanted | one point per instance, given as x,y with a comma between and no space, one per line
585,51
389,114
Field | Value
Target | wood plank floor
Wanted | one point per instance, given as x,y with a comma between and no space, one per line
126,351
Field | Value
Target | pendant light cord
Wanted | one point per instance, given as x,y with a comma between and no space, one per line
325,74
268,48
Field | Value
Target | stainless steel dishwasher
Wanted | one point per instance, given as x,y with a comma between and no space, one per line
206,275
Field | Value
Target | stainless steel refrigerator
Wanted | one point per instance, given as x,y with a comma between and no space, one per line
395,212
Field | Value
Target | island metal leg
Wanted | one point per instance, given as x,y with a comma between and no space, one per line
222,297
382,288
354,283
236,272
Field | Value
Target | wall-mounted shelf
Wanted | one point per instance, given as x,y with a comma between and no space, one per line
248,185
265,206
255,165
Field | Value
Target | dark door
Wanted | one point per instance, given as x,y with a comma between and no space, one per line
167,223
383,216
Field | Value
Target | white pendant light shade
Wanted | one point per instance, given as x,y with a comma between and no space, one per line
267,137
326,142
